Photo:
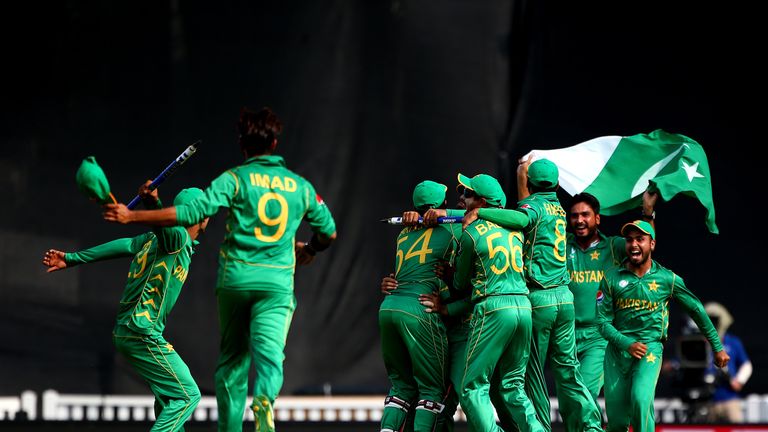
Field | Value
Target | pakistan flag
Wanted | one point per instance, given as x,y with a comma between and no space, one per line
617,170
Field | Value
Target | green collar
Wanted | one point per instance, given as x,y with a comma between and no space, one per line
266,160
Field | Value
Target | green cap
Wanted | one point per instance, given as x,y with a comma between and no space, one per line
92,181
543,173
185,196
641,226
429,194
485,186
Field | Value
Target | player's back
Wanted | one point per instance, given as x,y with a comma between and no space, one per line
155,278
418,250
497,260
545,238
268,205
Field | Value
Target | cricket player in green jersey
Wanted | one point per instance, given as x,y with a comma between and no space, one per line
490,265
160,265
552,302
589,254
257,260
456,312
634,317
413,342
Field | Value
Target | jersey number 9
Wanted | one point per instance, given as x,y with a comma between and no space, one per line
281,221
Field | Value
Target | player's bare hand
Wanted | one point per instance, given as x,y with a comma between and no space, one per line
522,167
445,272
411,218
649,201
303,255
469,217
637,350
722,358
116,213
430,217
54,260
148,195
388,284
432,304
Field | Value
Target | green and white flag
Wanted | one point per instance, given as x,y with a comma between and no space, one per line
617,170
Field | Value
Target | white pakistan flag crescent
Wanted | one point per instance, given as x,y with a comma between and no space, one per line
642,183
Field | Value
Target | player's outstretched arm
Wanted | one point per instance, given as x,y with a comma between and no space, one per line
54,260
119,213
722,358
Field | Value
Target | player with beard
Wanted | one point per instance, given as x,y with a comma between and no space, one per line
589,253
634,317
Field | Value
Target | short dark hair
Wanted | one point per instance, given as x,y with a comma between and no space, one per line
258,130
586,198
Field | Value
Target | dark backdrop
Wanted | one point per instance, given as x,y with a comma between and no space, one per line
375,96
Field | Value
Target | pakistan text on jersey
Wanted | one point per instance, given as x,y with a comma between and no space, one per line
636,304
287,184
587,276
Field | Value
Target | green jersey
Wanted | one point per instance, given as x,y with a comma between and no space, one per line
490,259
266,203
419,249
159,268
636,309
544,241
587,268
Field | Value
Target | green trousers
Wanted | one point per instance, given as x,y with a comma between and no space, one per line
630,387
176,393
554,341
253,327
414,346
458,332
499,342
590,350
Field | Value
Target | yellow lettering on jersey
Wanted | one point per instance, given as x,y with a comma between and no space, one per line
141,259
286,184
553,209
277,184
153,290
290,184
180,273
150,302
636,304
260,180
163,265
587,276
145,314
424,250
158,276
481,228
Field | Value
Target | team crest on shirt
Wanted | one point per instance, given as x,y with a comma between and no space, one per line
319,199
623,283
525,206
600,297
